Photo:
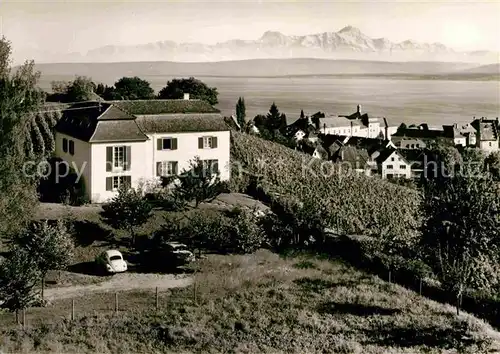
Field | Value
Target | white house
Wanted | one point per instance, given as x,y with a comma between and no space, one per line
486,134
113,143
391,164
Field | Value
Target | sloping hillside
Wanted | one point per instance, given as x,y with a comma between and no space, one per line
262,303
356,204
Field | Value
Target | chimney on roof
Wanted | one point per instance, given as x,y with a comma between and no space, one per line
186,96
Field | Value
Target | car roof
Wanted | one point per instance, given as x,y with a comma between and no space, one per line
111,253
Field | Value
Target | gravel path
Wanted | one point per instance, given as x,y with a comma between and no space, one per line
121,282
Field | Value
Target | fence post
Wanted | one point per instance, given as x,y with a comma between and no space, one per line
156,299
72,309
116,302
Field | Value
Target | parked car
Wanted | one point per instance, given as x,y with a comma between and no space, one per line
111,262
170,255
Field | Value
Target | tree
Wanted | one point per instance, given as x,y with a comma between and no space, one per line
241,112
302,115
133,88
127,210
200,183
19,100
19,275
50,246
460,236
80,89
492,164
275,121
197,89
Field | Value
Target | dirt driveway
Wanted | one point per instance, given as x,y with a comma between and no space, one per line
121,282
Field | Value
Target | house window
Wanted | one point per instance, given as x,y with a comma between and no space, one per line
71,147
211,165
490,143
167,168
119,156
167,144
65,144
119,181
407,146
389,176
418,145
389,167
207,142
402,167
392,158
412,146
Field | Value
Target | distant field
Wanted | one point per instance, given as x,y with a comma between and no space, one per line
440,93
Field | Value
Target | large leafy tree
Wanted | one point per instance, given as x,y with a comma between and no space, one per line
20,99
492,164
80,89
51,246
241,112
131,88
197,89
127,210
460,239
19,275
200,183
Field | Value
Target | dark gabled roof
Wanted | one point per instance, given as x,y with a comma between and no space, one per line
451,131
99,122
384,154
182,123
369,144
356,157
486,128
417,158
322,152
154,107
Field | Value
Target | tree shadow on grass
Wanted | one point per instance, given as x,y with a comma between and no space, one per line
453,337
88,268
317,284
87,232
334,308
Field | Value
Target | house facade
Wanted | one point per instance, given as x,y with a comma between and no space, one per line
112,146
486,134
392,164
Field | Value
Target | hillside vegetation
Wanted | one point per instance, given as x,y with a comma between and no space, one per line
355,204
263,303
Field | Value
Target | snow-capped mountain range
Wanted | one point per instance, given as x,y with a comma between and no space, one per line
348,43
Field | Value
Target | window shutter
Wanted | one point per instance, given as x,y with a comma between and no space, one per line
128,158
214,142
174,144
109,158
158,168
159,144
109,183
128,181
215,167
176,167
200,143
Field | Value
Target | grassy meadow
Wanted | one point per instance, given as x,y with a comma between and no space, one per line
262,303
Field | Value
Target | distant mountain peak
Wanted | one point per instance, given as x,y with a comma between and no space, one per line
350,29
347,43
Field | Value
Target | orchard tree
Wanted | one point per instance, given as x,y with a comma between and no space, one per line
19,275
127,210
20,99
200,183
460,236
241,112
133,88
50,246
492,164
197,89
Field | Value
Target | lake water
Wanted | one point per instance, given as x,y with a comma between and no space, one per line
399,100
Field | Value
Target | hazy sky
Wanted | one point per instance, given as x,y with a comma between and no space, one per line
77,26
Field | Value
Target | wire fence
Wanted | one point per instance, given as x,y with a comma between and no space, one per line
97,304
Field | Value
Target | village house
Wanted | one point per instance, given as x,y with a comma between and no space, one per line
390,163
420,137
486,134
120,142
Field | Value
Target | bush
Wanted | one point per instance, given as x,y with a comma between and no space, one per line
245,234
